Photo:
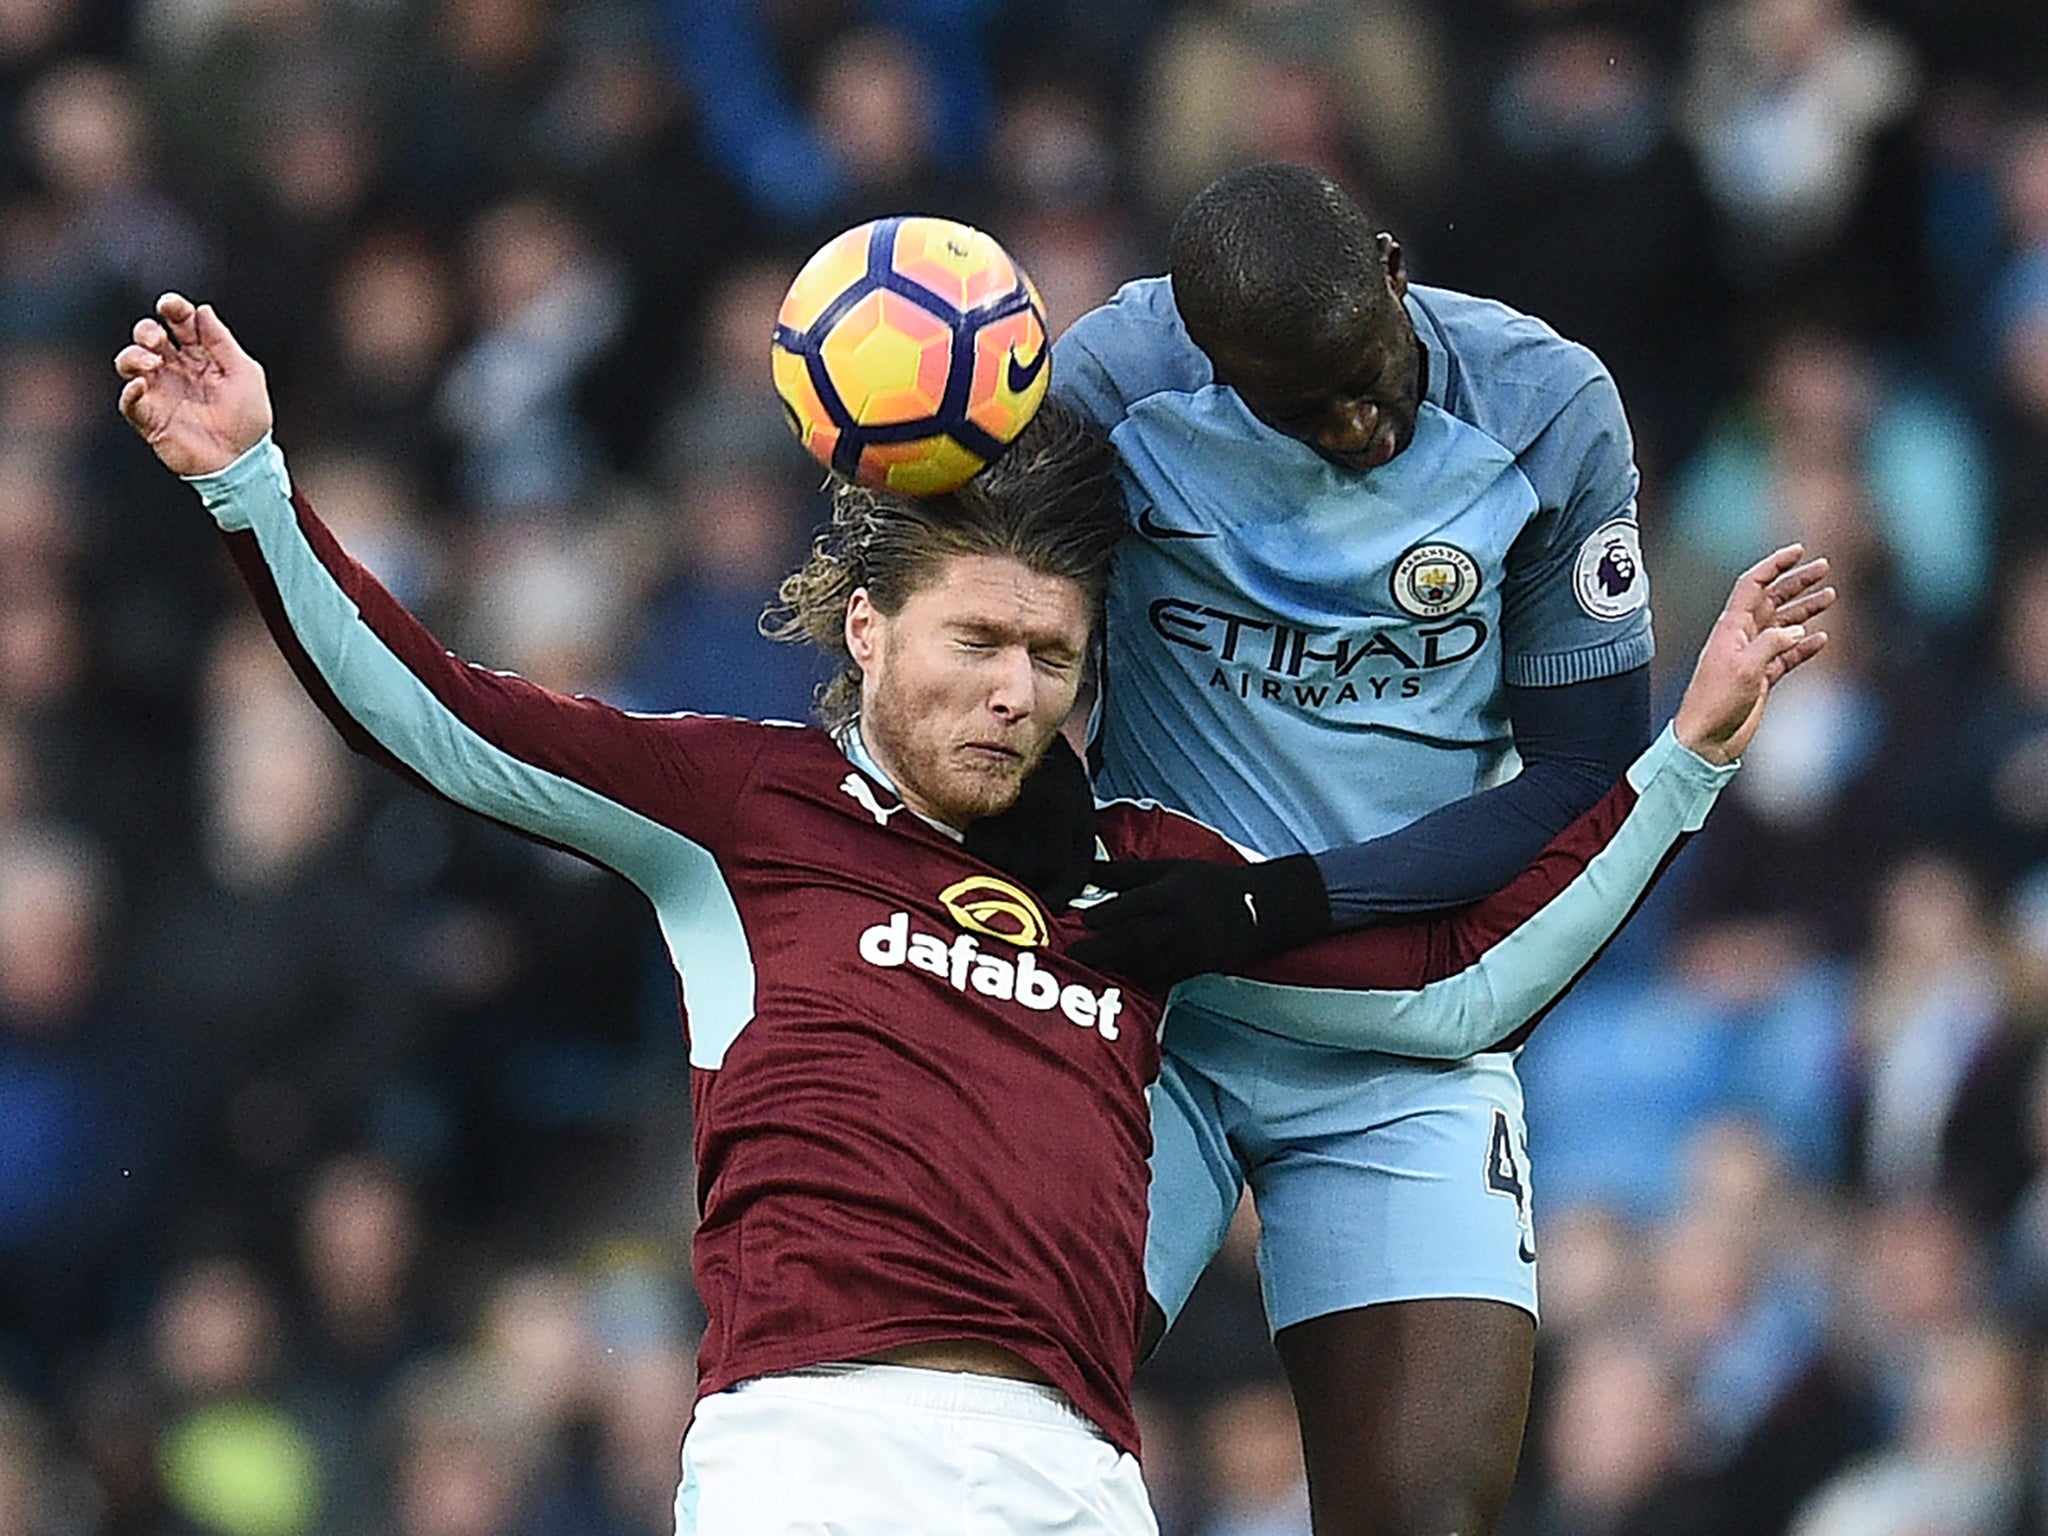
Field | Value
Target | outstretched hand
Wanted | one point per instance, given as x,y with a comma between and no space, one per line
195,396
1760,636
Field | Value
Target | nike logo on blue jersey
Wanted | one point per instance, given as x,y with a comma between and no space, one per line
1021,376
1153,529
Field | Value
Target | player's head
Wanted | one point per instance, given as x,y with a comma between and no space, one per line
1282,280
962,621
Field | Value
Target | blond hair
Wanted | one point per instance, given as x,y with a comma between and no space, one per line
1051,501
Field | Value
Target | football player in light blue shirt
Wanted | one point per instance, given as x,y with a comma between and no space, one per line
1385,547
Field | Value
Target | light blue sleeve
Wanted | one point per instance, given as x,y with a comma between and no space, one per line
1515,979
1081,380
1124,351
1567,613
487,750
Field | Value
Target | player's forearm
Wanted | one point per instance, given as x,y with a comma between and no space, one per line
1575,741
391,688
1481,978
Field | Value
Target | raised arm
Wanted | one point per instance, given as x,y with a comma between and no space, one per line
1480,978
572,771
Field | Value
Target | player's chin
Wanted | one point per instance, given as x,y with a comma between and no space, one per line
985,784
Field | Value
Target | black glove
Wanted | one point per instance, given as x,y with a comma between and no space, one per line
1178,918
1047,838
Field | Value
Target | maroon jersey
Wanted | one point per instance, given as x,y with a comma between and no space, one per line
916,1118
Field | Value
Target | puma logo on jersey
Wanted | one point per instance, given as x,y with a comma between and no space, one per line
961,964
856,786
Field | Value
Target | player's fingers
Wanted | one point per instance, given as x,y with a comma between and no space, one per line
1764,572
1800,578
176,312
218,340
131,362
1770,644
1807,607
131,396
1750,606
1763,648
1796,655
149,332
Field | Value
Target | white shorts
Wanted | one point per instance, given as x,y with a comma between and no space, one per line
890,1450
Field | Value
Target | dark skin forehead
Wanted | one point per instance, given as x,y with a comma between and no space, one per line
1371,360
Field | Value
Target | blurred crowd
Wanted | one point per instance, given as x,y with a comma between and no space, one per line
344,1174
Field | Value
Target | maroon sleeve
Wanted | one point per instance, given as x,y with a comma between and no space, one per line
684,772
1410,954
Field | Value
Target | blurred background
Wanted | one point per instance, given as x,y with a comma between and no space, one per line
344,1173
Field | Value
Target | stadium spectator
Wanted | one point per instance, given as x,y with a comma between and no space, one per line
893,85
1833,442
1617,1447
1578,200
1360,90
235,1459
1252,1458
1790,105
1959,1466
547,303
88,1101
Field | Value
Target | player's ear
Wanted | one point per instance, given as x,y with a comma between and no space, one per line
1395,264
862,617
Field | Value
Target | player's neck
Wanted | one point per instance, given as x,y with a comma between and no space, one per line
863,756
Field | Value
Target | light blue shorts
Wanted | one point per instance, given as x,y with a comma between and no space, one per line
1376,1178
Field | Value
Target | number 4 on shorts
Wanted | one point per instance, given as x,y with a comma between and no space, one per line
1504,1177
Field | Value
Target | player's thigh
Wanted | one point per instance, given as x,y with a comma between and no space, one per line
1412,1414
1195,1182
1397,1256
1413,1185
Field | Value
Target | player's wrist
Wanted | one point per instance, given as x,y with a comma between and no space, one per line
1291,903
1703,741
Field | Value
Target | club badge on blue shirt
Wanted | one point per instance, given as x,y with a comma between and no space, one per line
1432,580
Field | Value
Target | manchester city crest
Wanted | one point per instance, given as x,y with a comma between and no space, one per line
1432,580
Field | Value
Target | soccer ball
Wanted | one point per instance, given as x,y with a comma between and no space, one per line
909,353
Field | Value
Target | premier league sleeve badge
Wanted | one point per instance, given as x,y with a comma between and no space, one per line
1609,578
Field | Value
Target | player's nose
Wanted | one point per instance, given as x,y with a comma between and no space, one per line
1350,427
1010,691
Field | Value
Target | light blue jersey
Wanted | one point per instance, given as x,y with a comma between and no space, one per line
1306,656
